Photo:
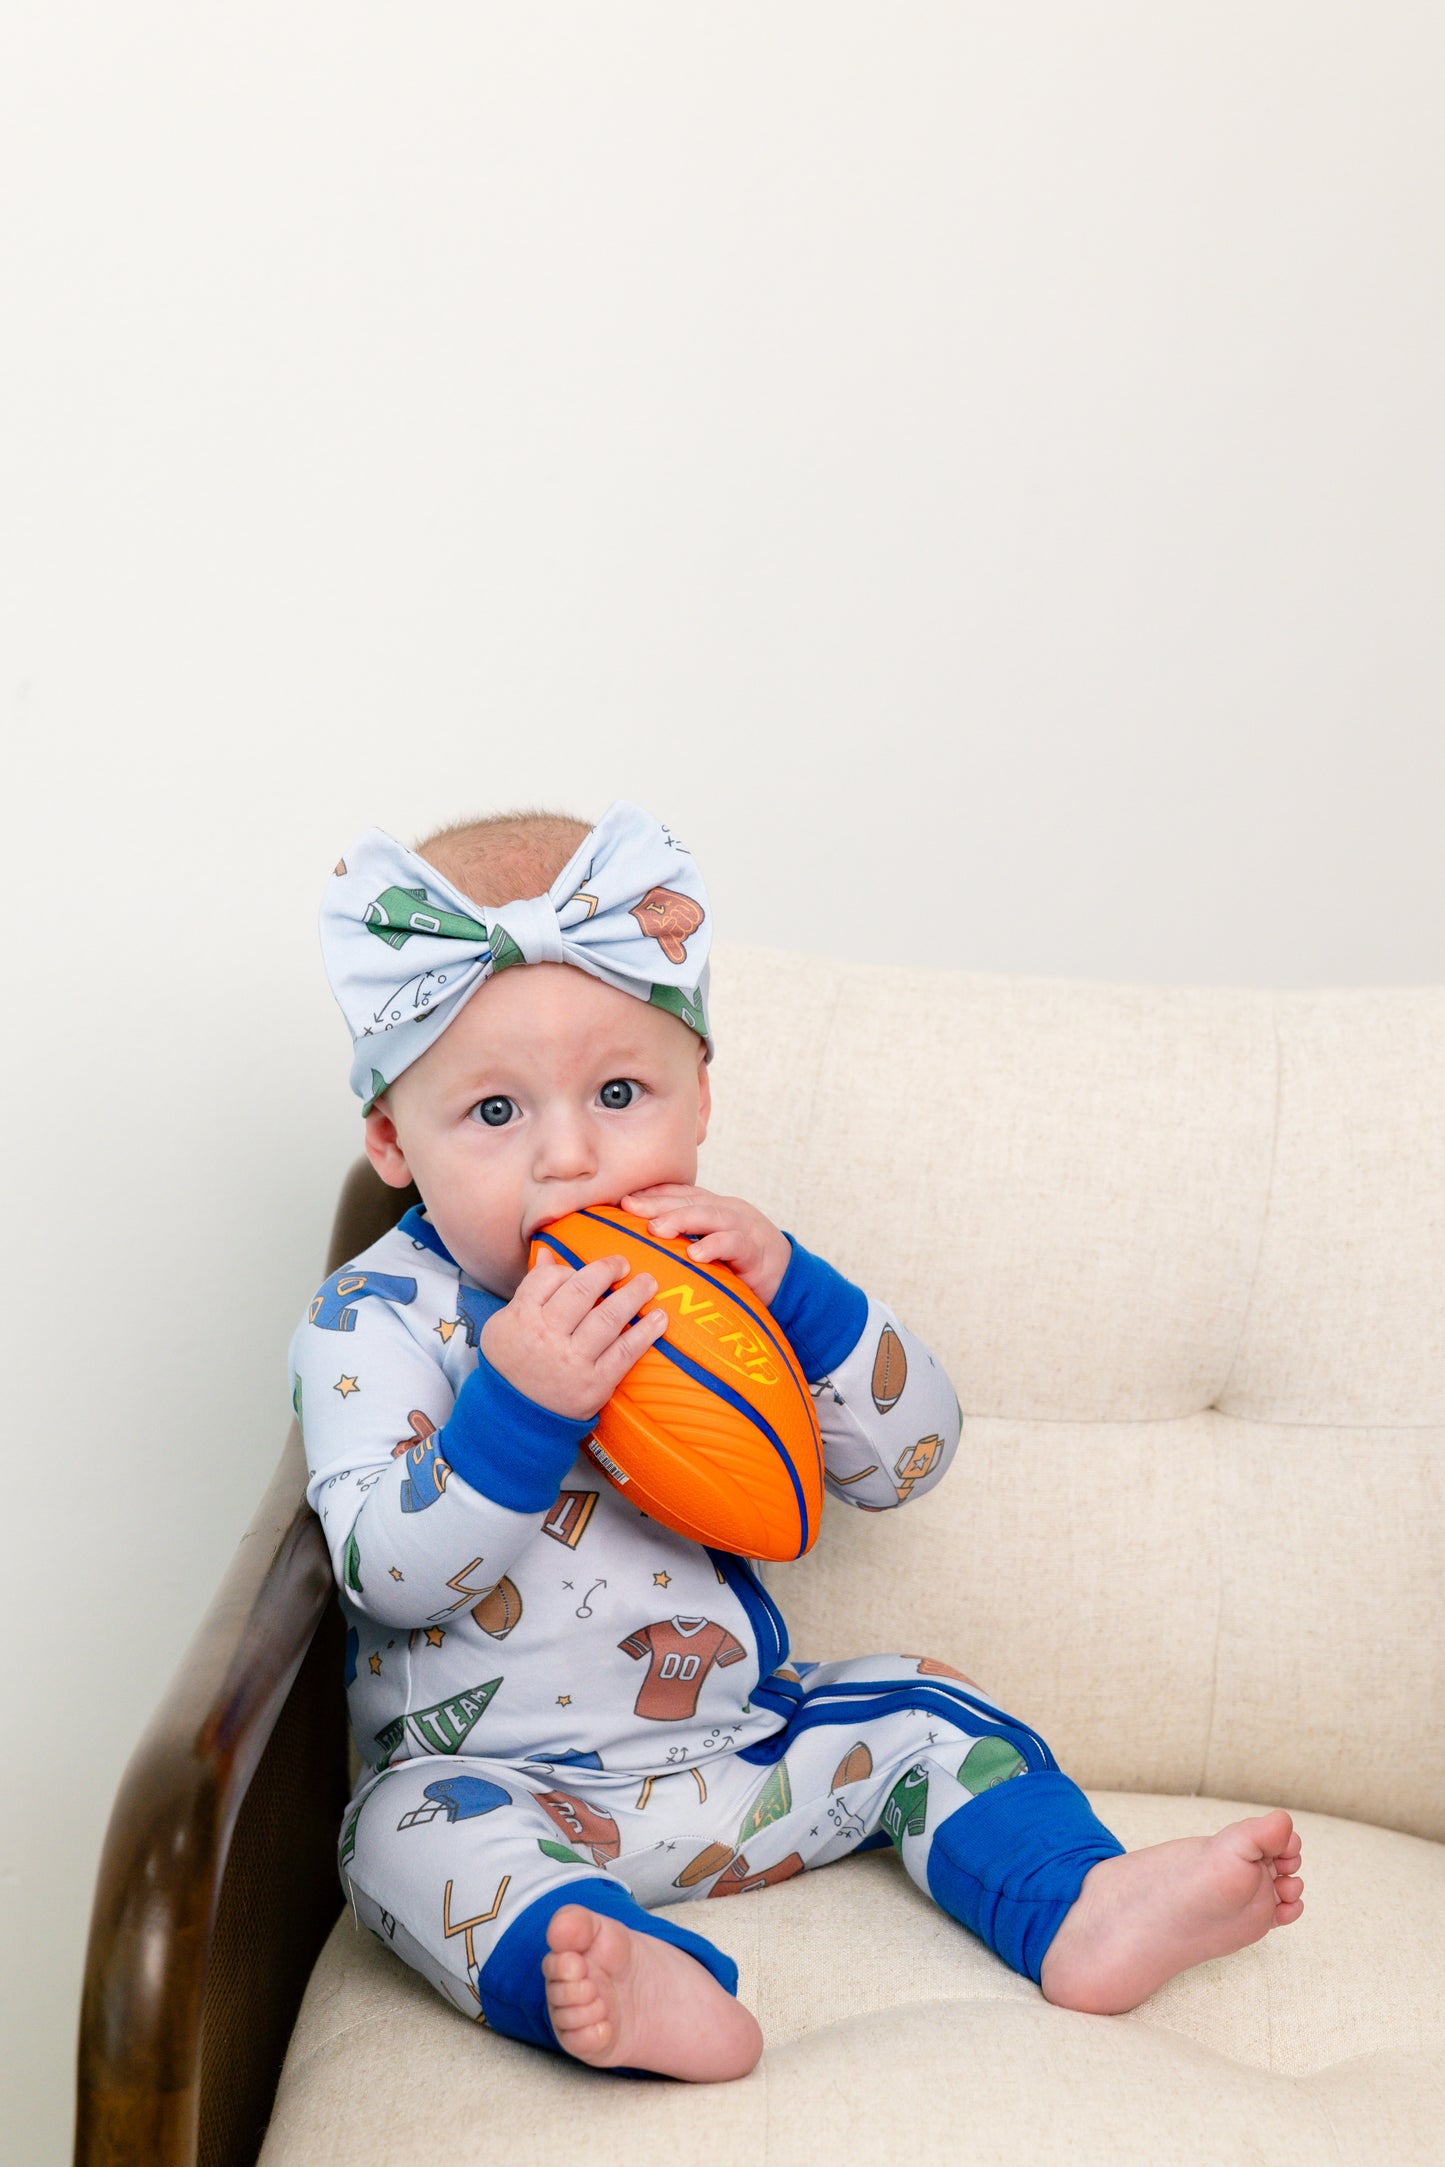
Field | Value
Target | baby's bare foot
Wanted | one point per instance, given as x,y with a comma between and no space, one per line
618,1996
1140,1918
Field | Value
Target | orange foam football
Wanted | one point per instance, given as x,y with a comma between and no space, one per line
713,1429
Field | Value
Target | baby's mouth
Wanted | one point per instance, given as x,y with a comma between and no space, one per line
547,1218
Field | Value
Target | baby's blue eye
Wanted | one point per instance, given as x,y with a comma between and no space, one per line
495,1111
620,1083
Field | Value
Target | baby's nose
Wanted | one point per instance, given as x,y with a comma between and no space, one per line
565,1151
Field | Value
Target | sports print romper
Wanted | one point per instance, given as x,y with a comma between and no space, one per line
556,1699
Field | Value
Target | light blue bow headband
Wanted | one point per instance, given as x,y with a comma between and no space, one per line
405,952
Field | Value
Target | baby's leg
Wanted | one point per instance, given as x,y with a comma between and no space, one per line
1001,1838
1031,1869
1140,1918
455,1867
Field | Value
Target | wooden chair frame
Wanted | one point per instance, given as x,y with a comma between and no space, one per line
217,1882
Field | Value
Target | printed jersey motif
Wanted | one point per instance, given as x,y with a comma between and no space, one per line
333,1308
683,1651
583,1824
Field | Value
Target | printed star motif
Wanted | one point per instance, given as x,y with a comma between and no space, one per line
446,1326
435,1635
564,1700
395,1573
375,1662
662,1580
346,1386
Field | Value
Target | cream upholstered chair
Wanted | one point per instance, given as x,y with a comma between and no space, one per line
1182,1251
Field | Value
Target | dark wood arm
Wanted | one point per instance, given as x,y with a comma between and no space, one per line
217,1882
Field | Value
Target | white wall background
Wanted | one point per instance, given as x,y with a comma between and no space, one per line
976,472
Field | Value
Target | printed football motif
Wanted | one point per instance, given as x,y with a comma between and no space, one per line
853,1767
710,1861
933,1666
713,1430
890,1370
499,1609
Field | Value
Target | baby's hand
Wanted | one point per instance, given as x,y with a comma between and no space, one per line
563,1346
736,1232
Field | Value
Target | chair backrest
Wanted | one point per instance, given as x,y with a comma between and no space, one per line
1182,1251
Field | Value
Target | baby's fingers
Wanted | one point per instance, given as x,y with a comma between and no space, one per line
615,1361
702,1216
726,1242
602,1323
542,1278
581,1289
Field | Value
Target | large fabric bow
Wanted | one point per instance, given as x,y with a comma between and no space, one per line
404,950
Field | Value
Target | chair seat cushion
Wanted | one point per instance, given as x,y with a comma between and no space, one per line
893,2033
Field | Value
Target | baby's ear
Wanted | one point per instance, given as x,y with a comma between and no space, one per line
383,1148
704,1100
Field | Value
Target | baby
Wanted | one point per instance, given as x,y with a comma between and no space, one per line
567,1714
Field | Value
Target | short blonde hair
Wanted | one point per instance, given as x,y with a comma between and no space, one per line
504,856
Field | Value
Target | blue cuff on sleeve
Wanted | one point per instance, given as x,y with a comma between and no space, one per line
505,1445
819,1312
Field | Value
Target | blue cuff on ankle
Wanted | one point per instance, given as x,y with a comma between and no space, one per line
1010,1863
510,1985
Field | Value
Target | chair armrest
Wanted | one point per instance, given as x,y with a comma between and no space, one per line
170,1831
215,1890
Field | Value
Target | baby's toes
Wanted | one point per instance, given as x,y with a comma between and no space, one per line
571,1928
1274,1832
577,2017
1288,1888
563,1965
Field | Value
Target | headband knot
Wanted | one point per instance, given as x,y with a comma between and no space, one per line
532,924
405,951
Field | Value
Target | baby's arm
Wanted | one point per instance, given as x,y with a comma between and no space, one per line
426,1496
890,1418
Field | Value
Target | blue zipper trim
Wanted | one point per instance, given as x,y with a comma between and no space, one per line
762,1613
714,1384
841,1689
884,1700
953,1692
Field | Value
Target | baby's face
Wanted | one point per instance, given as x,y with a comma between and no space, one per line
551,1090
